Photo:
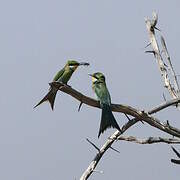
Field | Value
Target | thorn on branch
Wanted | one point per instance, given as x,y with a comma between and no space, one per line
167,123
127,117
79,108
130,119
157,28
101,172
147,45
149,140
114,149
177,154
93,144
164,97
153,52
154,22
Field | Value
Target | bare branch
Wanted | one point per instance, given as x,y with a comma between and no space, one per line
176,85
115,107
113,138
139,115
150,24
150,140
104,148
94,103
165,105
107,145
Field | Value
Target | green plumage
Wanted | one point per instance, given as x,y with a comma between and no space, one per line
65,74
62,76
102,93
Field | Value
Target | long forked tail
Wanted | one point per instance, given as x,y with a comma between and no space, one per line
50,97
107,119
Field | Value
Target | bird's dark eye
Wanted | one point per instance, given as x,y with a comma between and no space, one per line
102,77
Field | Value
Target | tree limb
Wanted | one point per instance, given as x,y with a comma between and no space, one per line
150,140
104,148
94,103
176,84
139,115
173,88
165,105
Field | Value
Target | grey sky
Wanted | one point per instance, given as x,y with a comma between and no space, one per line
36,39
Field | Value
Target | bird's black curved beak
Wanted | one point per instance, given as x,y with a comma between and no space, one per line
90,75
84,64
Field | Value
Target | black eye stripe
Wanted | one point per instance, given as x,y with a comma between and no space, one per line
74,64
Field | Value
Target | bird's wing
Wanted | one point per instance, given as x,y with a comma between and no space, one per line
59,74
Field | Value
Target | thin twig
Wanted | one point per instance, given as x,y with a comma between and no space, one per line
176,84
165,105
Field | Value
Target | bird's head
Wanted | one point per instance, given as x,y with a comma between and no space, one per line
97,77
72,64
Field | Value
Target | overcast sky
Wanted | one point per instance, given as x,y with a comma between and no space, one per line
36,39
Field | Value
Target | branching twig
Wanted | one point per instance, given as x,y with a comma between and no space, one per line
127,110
141,115
137,114
173,88
104,148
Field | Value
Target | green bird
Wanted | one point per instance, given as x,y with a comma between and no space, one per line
102,93
63,76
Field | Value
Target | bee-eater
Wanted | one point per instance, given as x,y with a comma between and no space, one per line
102,93
63,76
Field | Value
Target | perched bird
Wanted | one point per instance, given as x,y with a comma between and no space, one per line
102,93
63,76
